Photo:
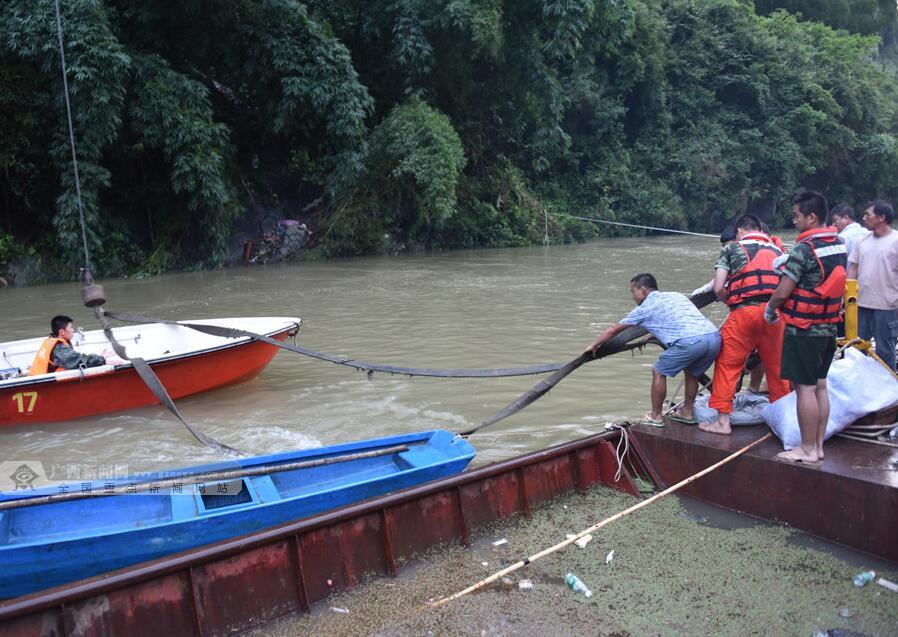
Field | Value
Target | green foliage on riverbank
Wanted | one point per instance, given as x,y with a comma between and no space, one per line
388,124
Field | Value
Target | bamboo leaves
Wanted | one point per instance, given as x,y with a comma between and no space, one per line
438,122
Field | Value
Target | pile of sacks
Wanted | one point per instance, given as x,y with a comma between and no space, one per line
858,385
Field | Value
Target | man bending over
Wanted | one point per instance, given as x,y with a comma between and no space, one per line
692,342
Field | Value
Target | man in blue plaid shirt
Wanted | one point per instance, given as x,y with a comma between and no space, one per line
691,342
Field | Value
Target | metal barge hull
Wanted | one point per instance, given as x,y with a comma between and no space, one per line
235,585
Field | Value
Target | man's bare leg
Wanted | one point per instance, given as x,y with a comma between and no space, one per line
822,396
755,378
808,422
686,409
659,393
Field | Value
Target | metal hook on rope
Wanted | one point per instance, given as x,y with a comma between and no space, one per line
92,294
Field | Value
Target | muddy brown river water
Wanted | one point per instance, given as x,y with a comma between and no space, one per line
478,308
674,574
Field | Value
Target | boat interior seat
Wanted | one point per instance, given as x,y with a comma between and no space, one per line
421,455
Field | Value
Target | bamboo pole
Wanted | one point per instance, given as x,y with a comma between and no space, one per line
514,567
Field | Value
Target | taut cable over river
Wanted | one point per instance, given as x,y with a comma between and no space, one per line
457,310
625,341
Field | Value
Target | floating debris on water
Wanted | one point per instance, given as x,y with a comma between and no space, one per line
576,584
862,579
582,542
892,586
669,586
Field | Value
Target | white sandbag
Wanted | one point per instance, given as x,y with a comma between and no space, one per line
748,409
857,385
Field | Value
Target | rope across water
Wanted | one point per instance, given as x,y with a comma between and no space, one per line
631,338
228,332
641,226
68,110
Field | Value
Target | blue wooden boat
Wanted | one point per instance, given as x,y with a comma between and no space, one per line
61,537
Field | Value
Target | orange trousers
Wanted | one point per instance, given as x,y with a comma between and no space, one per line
744,331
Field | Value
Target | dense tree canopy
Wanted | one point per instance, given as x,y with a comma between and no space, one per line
445,123
869,17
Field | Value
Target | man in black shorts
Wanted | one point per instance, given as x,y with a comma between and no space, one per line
810,298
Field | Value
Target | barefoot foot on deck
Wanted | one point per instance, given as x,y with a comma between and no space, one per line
797,455
716,427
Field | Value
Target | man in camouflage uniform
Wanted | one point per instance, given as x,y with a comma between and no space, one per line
57,352
810,298
744,279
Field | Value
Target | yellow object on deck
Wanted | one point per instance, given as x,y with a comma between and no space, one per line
850,309
851,338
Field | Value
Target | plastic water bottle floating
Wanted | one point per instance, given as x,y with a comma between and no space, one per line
862,579
573,582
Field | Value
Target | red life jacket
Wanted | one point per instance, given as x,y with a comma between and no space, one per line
758,277
42,364
823,304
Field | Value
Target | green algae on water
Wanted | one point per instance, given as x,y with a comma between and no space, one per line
670,575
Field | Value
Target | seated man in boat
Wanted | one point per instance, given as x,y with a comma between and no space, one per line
57,353
744,279
691,341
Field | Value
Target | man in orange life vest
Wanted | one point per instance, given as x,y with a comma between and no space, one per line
810,298
744,278
56,352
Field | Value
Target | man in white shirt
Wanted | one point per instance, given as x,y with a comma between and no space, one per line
691,342
874,263
850,231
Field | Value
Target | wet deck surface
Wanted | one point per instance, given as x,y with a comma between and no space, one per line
851,497
853,459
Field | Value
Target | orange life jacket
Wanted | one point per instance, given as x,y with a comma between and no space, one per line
41,362
758,277
823,304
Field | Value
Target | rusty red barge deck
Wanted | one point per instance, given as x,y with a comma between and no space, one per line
850,498
232,586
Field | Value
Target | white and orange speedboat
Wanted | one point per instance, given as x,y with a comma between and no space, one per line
185,360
